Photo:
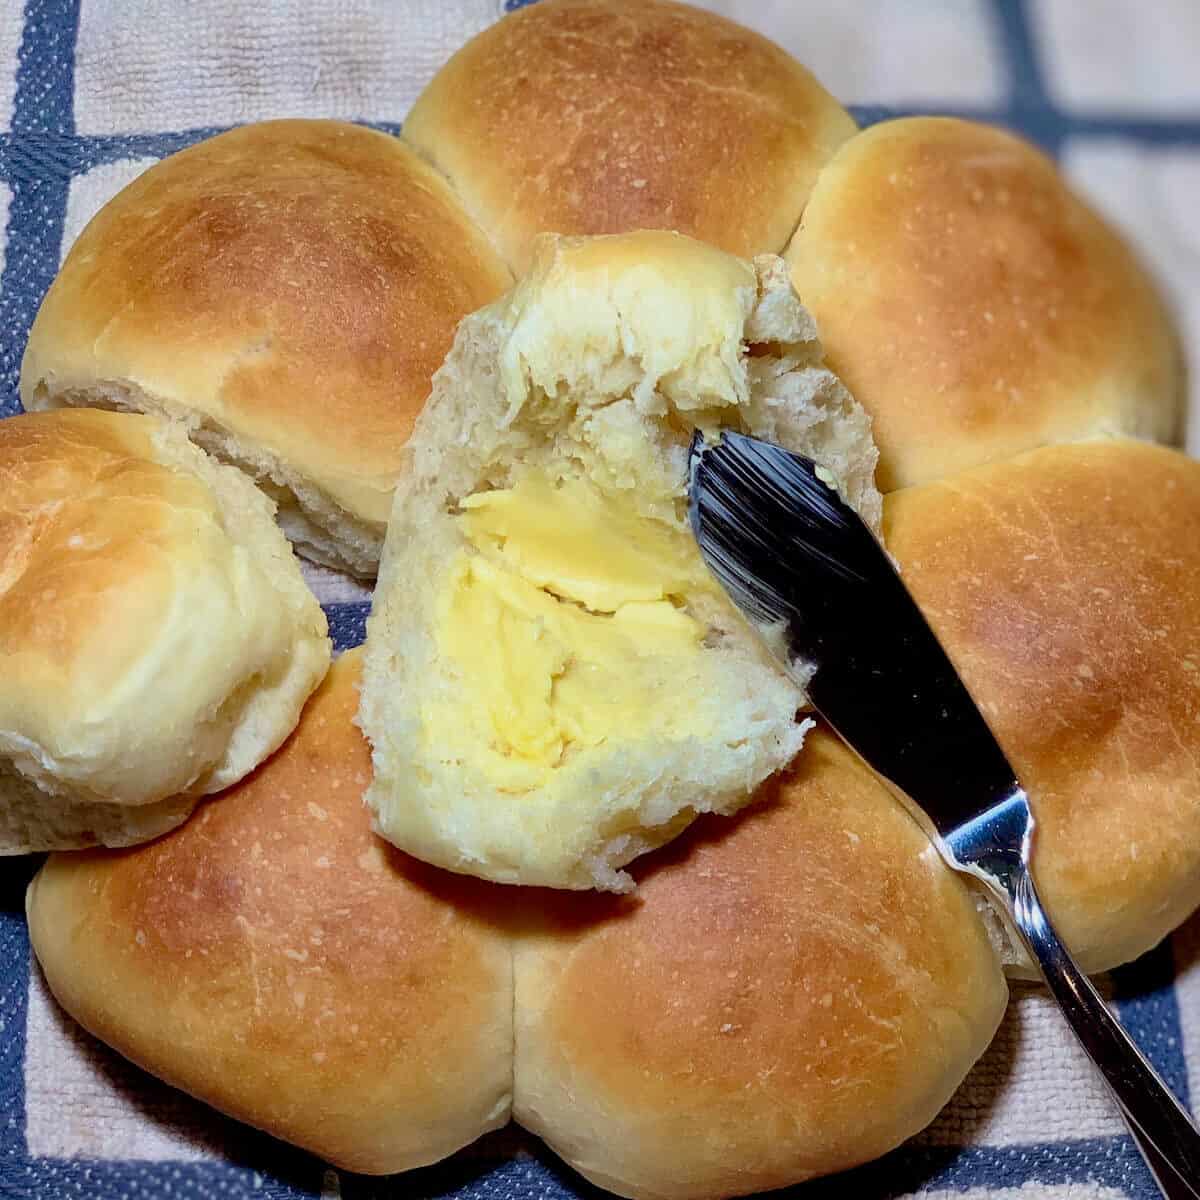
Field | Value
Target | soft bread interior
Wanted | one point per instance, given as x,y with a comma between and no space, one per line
318,526
33,819
266,707
553,683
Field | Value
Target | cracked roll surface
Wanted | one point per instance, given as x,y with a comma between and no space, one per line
1065,585
605,116
157,640
286,290
278,961
974,304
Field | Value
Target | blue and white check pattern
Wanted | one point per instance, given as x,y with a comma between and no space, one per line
89,95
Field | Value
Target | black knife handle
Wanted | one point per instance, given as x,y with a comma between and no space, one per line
1163,1129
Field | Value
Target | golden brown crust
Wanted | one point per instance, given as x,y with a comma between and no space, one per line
606,116
298,282
974,305
156,636
1065,585
91,483
788,994
277,960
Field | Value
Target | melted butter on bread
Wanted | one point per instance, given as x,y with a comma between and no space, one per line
567,625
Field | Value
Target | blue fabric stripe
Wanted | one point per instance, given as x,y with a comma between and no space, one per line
68,155
45,95
1052,134
63,156
43,103
1145,997
1115,1161
97,1179
14,1000
347,624
1030,108
1027,88
295,1176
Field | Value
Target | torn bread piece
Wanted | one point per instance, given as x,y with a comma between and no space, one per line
553,683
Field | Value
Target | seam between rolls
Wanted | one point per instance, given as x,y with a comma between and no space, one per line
461,201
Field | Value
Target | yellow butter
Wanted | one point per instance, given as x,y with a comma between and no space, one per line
566,630
573,541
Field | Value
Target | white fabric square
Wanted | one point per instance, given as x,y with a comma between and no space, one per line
879,52
332,587
83,1100
1153,194
12,25
149,65
1121,55
89,193
5,203
1033,1084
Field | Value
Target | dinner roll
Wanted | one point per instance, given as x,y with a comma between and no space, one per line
276,960
604,116
1065,585
285,290
974,304
554,683
156,638
790,994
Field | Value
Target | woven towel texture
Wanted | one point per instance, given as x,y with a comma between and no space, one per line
93,91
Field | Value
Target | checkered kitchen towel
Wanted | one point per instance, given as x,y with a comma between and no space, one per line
91,91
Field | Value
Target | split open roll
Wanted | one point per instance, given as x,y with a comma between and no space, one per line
553,682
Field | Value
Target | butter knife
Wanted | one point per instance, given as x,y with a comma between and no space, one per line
813,579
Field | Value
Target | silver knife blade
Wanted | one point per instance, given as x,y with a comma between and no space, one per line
792,553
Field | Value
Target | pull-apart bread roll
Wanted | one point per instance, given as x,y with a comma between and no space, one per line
604,116
285,291
278,961
974,305
1065,585
790,993
553,682
157,640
